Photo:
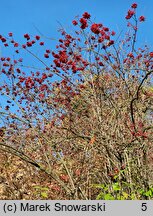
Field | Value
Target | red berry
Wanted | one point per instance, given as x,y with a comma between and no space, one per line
46,55
37,37
3,40
41,43
10,34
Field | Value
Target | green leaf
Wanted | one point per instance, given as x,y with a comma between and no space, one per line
116,187
105,188
100,196
37,187
125,195
141,191
116,176
98,186
133,196
108,197
148,193
45,188
44,194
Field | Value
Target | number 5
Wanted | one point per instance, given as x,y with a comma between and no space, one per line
144,206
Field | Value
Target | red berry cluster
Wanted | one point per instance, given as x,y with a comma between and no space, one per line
131,12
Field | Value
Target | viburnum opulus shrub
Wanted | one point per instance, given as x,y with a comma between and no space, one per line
83,113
